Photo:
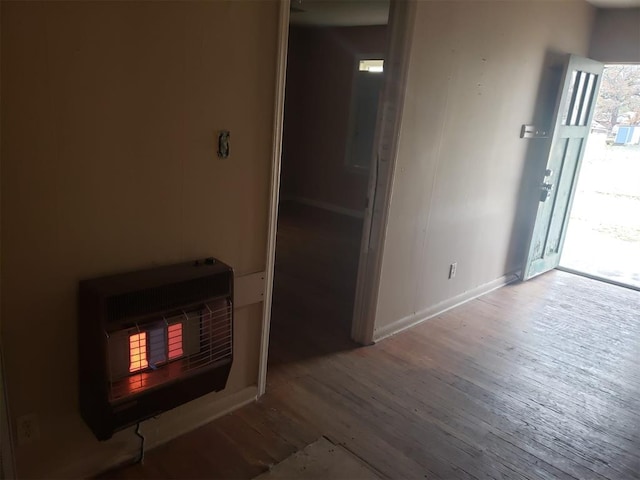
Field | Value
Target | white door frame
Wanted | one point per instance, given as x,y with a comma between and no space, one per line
278,121
401,16
396,63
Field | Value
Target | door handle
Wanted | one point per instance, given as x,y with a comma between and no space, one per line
546,188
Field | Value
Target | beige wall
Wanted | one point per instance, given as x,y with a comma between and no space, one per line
320,74
616,36
473,80
109,164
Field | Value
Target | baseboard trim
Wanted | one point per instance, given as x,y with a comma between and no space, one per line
169,426
439,308
197,415
324,205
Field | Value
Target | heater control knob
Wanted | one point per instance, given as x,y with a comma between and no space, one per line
210,261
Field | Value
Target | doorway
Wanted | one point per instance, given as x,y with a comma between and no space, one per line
603,235
324,175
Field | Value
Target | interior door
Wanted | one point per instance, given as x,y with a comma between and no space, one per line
364,115
572,120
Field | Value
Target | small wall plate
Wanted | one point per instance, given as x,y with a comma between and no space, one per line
223,143
531,131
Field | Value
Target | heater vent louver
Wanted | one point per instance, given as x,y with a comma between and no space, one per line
162,298
151,340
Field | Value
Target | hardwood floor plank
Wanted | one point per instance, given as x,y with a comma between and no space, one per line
437,405
517,398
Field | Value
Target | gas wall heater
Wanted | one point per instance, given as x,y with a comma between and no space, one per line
151,340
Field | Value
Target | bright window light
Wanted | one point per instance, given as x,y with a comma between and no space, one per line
372,66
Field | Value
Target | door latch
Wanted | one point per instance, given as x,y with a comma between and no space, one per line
546,188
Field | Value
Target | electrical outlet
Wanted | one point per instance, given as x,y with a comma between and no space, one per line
452,270
28,429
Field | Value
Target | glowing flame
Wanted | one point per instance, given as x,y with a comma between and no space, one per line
138,352
175,341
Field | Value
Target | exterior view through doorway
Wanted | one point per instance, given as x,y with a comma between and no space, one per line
603,235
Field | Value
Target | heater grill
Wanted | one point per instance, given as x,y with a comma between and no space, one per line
151,340
158,352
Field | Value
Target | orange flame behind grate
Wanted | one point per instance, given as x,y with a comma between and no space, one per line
138,352
175,341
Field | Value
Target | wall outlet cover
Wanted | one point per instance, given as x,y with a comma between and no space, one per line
452,270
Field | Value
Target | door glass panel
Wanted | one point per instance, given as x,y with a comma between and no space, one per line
577,99
588,100
568,102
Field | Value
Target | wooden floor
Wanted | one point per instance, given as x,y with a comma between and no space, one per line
535,380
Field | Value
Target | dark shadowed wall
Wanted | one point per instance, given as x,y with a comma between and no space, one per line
109,164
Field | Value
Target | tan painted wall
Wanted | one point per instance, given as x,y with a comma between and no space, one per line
473,79
616,36
320,73
109,164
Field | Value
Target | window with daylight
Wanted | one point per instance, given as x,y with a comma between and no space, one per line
371,66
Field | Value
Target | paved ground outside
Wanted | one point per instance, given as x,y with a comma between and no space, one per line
603,237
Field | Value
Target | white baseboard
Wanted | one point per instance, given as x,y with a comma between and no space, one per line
325,206
124,446
439,308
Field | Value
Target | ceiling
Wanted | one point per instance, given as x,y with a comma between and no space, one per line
339,13
342,13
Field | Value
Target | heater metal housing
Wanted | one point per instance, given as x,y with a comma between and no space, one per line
151,340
